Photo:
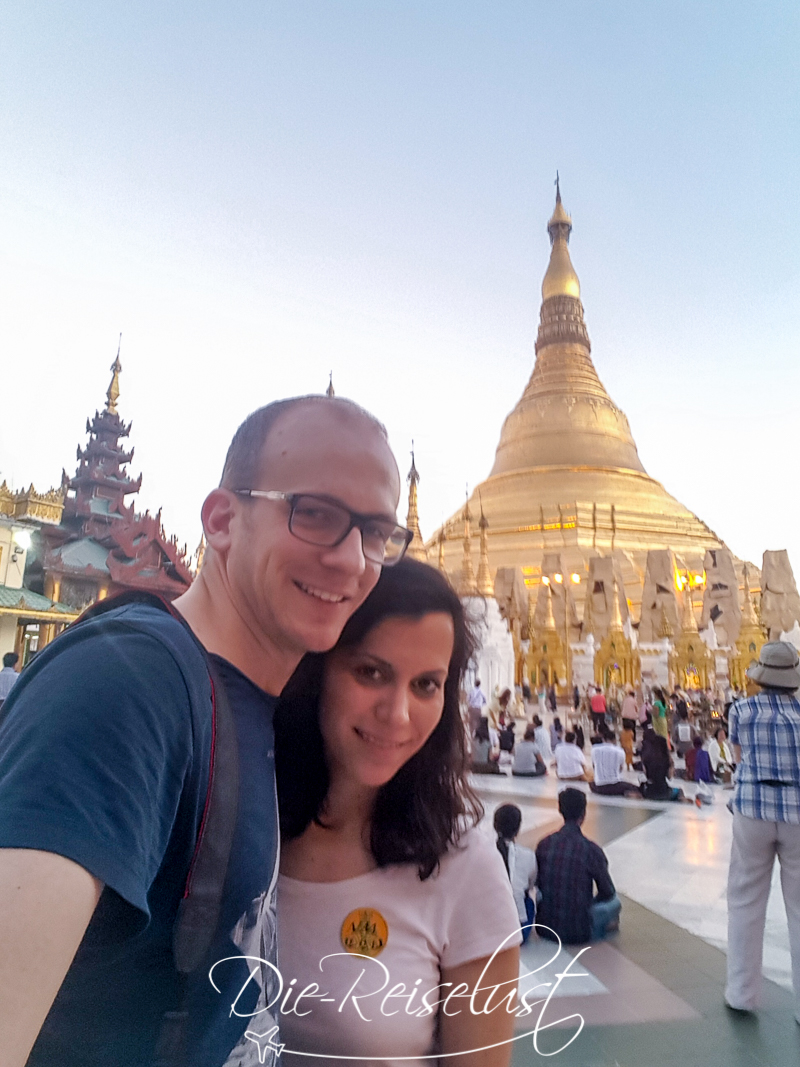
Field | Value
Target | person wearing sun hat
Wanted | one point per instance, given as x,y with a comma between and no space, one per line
765,734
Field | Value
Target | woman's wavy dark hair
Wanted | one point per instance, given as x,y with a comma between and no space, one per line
428,804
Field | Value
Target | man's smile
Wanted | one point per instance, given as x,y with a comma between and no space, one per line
321,594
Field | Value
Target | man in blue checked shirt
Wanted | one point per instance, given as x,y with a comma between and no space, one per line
765,734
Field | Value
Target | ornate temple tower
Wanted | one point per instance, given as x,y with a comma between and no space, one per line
102,546
567,477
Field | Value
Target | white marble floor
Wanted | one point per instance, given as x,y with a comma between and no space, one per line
676,865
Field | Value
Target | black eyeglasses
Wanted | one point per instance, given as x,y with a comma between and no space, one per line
319,521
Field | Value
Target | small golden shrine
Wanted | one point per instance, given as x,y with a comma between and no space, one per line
616,662
749,642
691,663
546,663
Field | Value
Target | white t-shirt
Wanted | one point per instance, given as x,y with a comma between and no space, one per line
609,763
522,875
462,912
570,761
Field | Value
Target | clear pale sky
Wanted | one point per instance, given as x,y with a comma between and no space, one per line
258,193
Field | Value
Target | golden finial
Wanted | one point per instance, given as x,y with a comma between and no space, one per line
689,622
748,608
485,584
560,279
468,586
549,617
665,626
616,613
417,547
329,391
112,396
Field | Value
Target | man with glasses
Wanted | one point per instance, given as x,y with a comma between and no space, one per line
106,749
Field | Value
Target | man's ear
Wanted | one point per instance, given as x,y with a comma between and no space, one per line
217,514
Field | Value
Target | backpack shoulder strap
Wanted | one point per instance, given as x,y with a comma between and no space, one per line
199,909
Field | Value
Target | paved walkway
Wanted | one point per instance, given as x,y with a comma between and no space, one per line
651,996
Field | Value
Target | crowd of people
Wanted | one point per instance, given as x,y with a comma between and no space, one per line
565,884
658,736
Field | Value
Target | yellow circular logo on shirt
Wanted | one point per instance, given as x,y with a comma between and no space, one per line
365,932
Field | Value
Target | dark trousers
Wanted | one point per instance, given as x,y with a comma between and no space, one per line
613,789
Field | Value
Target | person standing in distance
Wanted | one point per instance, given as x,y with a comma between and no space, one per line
105,752
765,734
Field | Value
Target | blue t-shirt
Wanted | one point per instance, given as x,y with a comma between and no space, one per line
104,759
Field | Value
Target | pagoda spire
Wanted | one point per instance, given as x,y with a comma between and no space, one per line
616,614
329,391
441,549
560,279
565,417
485,583
417,547
549,618
112,396
688,622
468,586
200,553
748,609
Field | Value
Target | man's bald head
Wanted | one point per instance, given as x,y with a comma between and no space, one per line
244,459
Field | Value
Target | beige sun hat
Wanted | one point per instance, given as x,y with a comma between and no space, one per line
778,665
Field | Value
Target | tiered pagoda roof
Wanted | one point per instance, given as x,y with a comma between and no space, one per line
101,541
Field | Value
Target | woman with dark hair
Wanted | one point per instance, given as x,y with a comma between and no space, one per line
485,749
528,761
657,766
556,733
380,856
520,864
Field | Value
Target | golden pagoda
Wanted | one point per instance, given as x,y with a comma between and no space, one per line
567,476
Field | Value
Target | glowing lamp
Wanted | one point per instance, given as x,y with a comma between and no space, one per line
23,539
559,578
545,580
575,578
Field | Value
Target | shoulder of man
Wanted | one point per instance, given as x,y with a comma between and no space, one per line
119,643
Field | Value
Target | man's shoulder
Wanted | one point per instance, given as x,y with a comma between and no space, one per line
124,650
118,626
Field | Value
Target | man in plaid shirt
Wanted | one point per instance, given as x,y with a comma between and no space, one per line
569,866
765,733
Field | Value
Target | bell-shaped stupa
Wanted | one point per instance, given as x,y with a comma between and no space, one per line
567,476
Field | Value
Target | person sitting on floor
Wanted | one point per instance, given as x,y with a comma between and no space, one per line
506,736
699,763
556,733
542,739
485,749
570,761
683,733
720,754
569,867
528,757
580,739
657,767
520,863
608,761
